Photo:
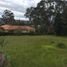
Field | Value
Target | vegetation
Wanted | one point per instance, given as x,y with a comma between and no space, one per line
61,45
49,13
48,17
36,51
8,17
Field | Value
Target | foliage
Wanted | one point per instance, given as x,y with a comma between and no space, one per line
61,45
5,60
60,24
46,15
8,17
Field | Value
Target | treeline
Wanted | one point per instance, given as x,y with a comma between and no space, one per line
8,18
49,17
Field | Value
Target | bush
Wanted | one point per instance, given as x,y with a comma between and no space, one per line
61,45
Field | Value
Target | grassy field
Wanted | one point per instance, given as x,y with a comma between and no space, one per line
36,51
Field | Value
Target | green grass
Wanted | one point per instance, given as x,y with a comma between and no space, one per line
36,51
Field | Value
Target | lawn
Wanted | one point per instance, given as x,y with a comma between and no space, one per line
35,51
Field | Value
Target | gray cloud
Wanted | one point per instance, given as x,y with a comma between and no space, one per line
17,6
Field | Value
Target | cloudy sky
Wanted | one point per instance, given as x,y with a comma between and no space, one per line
18,7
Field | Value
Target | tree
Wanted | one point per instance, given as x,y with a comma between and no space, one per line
29,13
55,11
8,17
60,24
38,17
64,20
46,12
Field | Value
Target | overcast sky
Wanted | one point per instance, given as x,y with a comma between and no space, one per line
18,7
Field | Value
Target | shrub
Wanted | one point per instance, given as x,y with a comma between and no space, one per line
61,45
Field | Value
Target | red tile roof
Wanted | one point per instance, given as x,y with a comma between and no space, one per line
14,27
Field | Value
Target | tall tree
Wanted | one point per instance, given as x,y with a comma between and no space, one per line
8,17
29,13
64,20
60,24
46,12
38,16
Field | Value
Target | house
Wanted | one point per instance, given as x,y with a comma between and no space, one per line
14,28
